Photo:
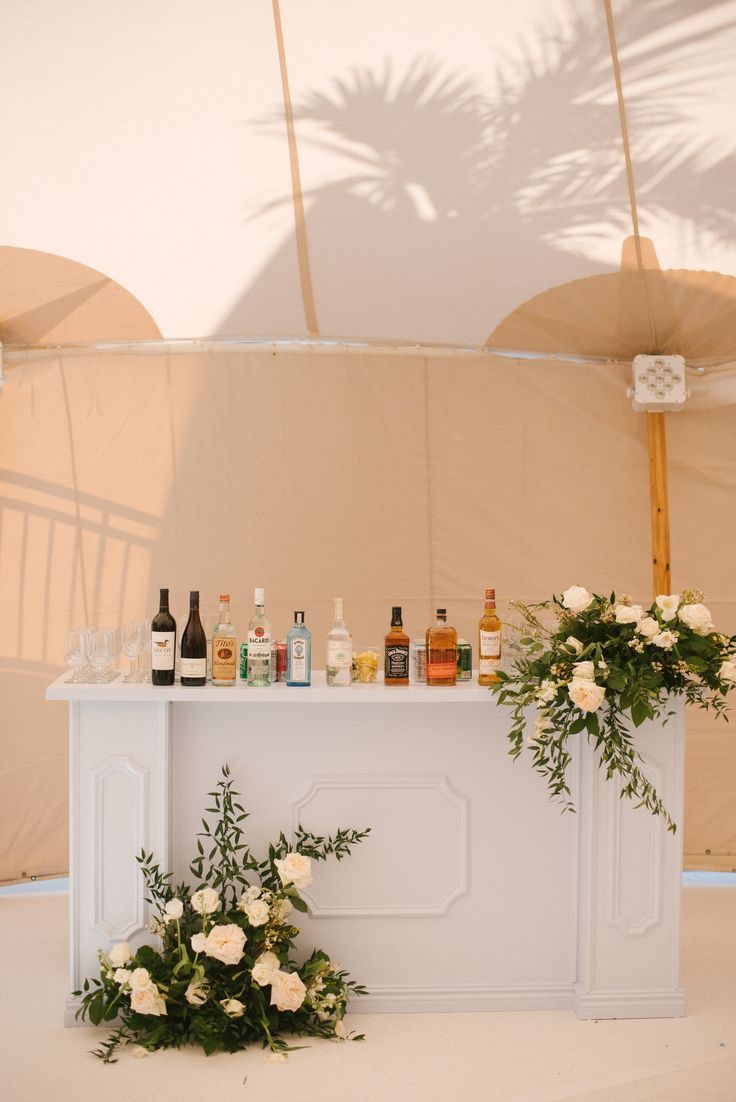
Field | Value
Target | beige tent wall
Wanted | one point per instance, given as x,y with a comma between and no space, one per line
384,478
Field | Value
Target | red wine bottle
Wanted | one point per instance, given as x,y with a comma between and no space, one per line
193,646
163,643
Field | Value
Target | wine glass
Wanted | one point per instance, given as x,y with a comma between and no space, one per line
134,641
105,648
75,653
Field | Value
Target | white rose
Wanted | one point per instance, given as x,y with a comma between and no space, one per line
576,598
225,943
122,976
120,954
586,695
583,671
628,614
233,1007
257,912
174,909
198,942
197,993
574,644
295,869
287,991
281,910
206,901
546,692
148,1000
668,605
139,978
340,1030
665,639
648,627
265,967
252,893
727,672
697,618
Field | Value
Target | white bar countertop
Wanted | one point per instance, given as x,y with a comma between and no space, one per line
464,692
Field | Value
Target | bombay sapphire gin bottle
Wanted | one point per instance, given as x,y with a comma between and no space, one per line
299,653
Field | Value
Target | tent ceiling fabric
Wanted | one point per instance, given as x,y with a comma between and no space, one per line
451,168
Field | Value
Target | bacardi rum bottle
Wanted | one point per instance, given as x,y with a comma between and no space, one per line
259,643
489,642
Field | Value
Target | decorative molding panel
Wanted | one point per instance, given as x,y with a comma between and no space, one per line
437,867
634,880
120,818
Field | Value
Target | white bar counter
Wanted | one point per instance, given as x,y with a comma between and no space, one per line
473,891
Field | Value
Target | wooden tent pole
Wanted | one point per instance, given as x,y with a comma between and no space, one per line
659,503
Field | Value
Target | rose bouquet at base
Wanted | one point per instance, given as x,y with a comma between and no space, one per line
224,976
608,665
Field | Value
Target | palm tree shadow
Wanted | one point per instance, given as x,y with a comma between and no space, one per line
456,203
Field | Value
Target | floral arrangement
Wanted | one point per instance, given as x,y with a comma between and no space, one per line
608,661
223,976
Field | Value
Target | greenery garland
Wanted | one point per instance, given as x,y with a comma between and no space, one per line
609,664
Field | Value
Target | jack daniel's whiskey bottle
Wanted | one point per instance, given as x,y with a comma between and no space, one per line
396,663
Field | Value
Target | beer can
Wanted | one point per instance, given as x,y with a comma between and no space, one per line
464,660
243,661
281,661
418,660
272,665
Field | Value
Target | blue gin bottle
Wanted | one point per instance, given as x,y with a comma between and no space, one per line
299,653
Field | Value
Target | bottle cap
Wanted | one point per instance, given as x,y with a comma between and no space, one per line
396,614
259,596
298,617
442,612
224,596
490,594
164,596
194,598
338,607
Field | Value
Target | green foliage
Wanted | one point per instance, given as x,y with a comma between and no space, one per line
176,994
637,667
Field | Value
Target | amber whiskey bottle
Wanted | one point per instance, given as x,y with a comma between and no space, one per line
489,642
396,661
441,651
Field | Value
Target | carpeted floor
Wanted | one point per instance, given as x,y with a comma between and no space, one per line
521,1057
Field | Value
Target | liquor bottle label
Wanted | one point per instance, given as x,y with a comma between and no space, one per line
298,660
224,650
259,643
339,653
490,644
193,667
441,669
162,650
397,662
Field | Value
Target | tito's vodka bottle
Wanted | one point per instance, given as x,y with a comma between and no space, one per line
259,643
489,639
441,652
339,663
224,646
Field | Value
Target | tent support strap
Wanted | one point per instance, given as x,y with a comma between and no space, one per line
659,503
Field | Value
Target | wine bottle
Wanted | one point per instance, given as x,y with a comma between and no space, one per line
193,646
163,643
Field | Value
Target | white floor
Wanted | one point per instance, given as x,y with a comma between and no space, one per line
540,1057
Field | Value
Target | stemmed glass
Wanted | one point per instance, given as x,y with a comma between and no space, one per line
134,641
76,649
104,650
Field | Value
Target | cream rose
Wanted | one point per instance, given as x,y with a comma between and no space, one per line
287,991
122,976
252,893
225,943
257,912
727,672
198,942
583,671
233,1007
281,910
574,644
628,614
295,869
648,627
665,639
197,993
120,954
148,1000
586,695
139,978
668,605
174,909
576,598
264,968
697,618
206,901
